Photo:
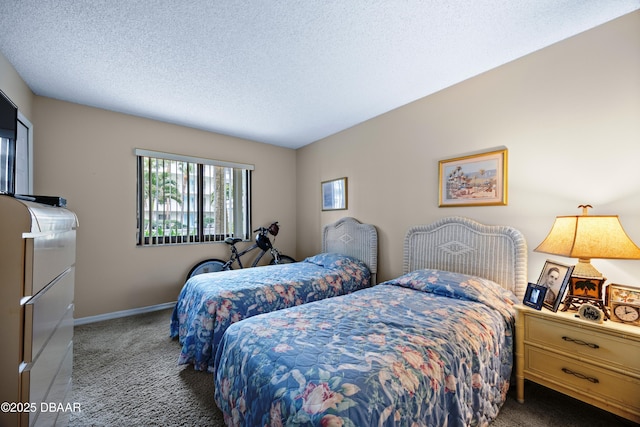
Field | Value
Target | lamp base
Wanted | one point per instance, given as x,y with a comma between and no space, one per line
584,269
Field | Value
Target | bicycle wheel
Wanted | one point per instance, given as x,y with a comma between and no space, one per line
207,266
284,259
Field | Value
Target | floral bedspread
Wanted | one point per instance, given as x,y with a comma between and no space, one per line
210,302
430,348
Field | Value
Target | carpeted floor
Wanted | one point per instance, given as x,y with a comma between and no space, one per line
125,374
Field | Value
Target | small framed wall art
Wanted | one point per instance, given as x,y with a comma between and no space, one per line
555,277
334,194
474,180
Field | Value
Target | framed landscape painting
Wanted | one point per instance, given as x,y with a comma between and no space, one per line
474,180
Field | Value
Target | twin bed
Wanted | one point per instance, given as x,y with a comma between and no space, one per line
209,303
431,347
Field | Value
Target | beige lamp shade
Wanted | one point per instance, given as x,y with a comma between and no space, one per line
589,236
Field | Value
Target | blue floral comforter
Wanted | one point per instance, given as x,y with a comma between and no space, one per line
430,348
209,303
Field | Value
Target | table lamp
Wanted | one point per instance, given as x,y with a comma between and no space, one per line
585,237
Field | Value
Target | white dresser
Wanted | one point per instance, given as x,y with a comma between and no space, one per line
37,269
596,363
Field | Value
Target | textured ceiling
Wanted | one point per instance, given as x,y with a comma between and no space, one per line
283,72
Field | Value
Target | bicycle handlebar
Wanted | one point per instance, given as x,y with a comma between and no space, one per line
265,230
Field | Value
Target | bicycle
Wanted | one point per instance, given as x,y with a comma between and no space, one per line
262,242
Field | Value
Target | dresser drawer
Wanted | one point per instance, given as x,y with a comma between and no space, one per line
47,256
593,382
44,312
60,393
586,343
40,376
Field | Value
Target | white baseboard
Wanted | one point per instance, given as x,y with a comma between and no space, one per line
123,313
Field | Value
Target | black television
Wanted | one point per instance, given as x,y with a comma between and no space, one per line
8,136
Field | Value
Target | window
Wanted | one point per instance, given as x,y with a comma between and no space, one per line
184,199
24,156
8,127
16,149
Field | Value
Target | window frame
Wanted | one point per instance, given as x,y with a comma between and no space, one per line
242,196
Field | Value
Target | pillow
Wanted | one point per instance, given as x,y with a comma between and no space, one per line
332,260
454,285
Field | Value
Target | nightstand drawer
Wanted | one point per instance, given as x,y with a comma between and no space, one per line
592,382
602,348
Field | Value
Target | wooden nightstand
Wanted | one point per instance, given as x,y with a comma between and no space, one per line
596,363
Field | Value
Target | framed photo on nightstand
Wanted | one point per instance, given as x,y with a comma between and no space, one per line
555,277
534,296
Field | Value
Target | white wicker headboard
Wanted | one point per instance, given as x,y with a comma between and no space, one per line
348,236
462,245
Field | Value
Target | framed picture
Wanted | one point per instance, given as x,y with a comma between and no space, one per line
555,277
534,297
474,180
334,194
623,294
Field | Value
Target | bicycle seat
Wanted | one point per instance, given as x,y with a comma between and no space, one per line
232,240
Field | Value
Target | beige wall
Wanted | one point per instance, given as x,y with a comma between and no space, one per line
15,88
568,114
87,156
